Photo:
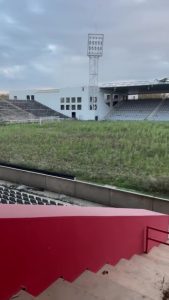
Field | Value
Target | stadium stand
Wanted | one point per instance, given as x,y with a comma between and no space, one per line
36,108
10,195
8,112
162,114
135,109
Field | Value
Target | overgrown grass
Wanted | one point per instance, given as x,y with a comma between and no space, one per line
132,155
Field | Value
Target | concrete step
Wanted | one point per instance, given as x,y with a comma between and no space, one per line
104,288
160,261
148,263
159,252
128,275
22,295
164,247
145,269
64,290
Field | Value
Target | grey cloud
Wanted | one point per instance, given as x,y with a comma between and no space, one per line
43,43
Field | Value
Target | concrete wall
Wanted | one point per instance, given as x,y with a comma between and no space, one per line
93,192
39,244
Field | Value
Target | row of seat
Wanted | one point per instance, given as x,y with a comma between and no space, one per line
10,112
12,196
163,112
142,110
36,108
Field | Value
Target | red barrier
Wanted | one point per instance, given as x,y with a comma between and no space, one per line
42,243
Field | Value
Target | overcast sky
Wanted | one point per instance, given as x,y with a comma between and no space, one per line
43,43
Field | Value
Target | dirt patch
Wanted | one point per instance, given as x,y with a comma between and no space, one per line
165,294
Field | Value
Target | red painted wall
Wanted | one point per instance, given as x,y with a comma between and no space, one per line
41,244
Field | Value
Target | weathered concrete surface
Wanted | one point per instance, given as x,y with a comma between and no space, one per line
97,193
105,195
60,185
64,290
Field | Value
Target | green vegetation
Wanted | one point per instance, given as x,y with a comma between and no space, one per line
133,155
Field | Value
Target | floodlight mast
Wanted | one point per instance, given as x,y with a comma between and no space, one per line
95,50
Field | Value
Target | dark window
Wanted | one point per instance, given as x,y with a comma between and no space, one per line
62,100
67,107
73,115
90,107
32,97
73,99
73,107
83,89
28,97
68,100
95,106
79,99
79,107
62,107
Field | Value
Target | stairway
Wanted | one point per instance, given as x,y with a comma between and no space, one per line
144,276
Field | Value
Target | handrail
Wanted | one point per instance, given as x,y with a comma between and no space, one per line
154,240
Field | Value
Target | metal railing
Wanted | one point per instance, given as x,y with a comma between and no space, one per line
153,239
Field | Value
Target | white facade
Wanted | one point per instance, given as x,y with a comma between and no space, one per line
72,102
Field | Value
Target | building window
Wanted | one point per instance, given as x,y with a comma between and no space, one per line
62,107
79,107
73,99
32,97
95,107
93,99
62,100
83,89
68,100
90,107
79,99
15,98
73,107
67,107
28,97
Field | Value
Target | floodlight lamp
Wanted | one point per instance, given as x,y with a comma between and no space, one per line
95,45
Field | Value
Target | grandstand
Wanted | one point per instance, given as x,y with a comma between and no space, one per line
9,112
134,110
36,108
137,100
20,110
148,109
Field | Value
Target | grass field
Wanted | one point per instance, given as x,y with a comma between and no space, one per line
132,155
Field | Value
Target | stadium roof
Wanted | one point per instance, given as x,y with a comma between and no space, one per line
137,87
132,83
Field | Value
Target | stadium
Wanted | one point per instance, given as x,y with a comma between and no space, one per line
142,100
84,206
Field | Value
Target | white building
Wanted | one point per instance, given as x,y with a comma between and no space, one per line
73,102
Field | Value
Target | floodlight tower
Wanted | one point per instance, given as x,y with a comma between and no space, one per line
95,50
